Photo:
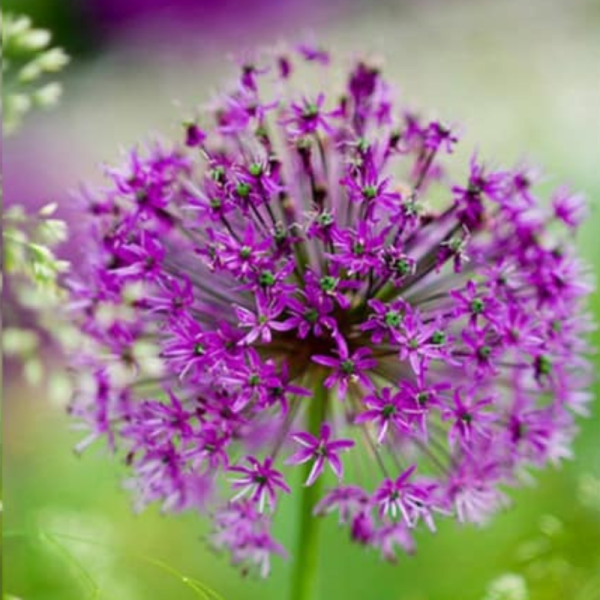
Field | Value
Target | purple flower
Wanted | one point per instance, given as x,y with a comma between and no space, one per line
321,450
185,348
245,533
392,496
309,117
347,368
420,343
235,277
385,409
481,351
392,535
368,190
473,490
474,303
311,316
313,53
407,500
419,398
259,480
386,319
347,500
438,135
362,528
469,421
569,208
357,251
263,321
194,136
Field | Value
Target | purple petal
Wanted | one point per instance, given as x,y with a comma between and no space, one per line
340,445
326,361
325,431
306,439
336,465
300,457
316,470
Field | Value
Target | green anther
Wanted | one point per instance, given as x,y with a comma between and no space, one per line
255,169
325,219
358,248
411,208
199,350
347,366
262,319
363,144
311,315
253,380
438,338
245,252
544,365
388,410
413,344
218,173
402,266
216,203
477,305
303,143
242,189
422,398
466,418
369,192
280,235
484,352
321,450
261,131
266,279
310,110
456,244
393,318
556,326
328,283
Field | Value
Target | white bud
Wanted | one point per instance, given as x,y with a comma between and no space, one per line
48,209
15,26
53,60
47,95
18,103
509,586
30,72
34,39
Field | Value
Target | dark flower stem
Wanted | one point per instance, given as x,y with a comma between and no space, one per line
306,557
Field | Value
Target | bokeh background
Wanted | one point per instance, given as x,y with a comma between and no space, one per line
522,79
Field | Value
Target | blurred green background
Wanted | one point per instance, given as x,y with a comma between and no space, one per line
522,79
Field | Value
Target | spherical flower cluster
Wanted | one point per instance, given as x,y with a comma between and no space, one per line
301,282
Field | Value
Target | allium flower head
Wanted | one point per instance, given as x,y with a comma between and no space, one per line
299,285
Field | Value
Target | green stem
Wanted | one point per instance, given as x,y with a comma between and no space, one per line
306,557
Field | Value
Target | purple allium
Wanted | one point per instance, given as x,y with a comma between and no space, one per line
259,480
321,451
299,281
